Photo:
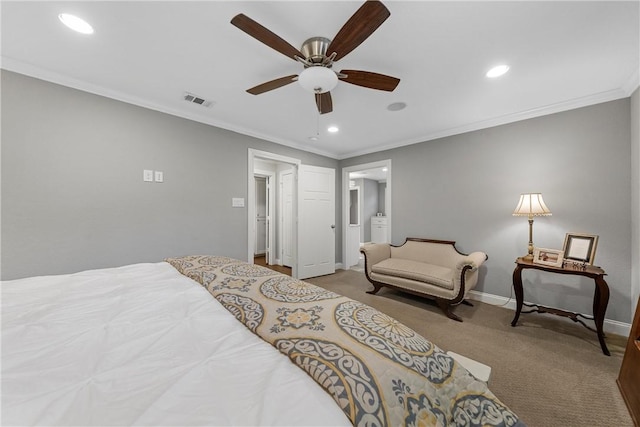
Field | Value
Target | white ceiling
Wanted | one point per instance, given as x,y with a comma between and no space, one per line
562,55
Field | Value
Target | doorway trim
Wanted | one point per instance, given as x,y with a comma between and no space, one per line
269,176
345,199
251,204
281,216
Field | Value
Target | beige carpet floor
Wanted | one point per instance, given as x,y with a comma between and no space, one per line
548,370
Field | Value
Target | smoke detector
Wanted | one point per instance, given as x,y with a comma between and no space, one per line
195,99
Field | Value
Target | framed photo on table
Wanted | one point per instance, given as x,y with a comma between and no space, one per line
552,257
580,247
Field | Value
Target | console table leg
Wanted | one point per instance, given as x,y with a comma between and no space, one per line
600,301
517,288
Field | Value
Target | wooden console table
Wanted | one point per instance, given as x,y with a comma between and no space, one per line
600,296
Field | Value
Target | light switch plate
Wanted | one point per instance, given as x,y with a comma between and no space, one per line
159,176
147,175
237,202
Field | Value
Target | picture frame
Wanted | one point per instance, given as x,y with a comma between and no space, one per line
580,247
551,257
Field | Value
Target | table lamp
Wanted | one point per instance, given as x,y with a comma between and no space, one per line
530,205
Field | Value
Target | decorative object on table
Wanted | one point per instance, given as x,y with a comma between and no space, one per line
580,247
576,265
552,257
530,205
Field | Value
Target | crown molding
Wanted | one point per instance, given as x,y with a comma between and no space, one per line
559,107
625,91
632,83
20,67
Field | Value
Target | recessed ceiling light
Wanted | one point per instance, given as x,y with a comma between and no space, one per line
396,106
333,129
75,23
313,138
497,71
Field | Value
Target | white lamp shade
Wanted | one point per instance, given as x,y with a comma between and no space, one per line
318,79
531,204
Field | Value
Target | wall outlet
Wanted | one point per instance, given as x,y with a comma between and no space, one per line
147,175
159,177
237,202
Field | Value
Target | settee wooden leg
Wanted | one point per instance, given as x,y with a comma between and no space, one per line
446,308
466,302
375,290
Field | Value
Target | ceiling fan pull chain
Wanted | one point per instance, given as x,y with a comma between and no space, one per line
318,115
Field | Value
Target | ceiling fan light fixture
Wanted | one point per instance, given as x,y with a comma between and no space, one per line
318,79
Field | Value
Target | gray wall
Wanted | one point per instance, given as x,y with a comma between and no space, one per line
72,191
382,195
465,187
369,207
73,196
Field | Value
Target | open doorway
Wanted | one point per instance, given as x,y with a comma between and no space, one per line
305,222
366,206
271,226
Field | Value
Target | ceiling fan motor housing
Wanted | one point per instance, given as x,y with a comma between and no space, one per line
315,50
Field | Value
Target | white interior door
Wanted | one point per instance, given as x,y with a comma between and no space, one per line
270,256
287,219
261,216
316,221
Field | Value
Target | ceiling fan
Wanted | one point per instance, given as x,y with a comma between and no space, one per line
318,54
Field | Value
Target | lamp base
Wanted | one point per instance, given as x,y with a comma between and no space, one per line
528,257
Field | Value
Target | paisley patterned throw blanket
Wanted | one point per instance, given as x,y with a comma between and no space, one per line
379,371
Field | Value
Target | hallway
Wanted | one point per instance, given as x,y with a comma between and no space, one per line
260,260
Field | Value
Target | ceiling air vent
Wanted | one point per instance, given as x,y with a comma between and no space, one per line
189,97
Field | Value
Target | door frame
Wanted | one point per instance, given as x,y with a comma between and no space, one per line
269,243
345,199
281,213
350,258
251,204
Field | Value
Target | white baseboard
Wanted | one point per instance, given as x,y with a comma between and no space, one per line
610,326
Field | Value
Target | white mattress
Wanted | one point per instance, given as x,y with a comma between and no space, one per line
143,345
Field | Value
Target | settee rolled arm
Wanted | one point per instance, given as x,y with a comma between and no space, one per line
374,253
473,260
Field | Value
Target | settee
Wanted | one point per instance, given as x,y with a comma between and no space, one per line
431,268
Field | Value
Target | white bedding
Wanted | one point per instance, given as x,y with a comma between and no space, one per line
143,345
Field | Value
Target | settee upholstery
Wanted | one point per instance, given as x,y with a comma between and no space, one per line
431,268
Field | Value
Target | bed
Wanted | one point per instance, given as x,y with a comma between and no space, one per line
146,344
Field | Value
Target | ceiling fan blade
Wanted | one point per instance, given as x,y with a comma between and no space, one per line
265,36
369,80
273,84
361,25
324,103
